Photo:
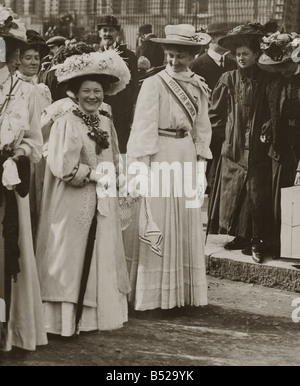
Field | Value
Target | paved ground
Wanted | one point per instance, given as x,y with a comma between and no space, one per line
244,325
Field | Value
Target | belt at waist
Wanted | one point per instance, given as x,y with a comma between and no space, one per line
179,133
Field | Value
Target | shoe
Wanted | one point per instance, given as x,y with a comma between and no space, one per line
235,244
247,251
257,251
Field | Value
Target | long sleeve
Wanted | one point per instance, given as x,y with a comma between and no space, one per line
218,114
143,138
202,131
32,142
65,146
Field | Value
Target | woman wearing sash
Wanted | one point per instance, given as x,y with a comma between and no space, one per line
165,247
20,141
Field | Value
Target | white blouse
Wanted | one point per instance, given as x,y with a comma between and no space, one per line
157,108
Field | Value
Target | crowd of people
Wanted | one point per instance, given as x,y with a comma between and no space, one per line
92,134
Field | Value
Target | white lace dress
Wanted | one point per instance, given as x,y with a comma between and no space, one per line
68,206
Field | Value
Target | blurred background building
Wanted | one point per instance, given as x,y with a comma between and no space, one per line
78,18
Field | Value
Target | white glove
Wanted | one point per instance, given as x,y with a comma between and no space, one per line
10,176
101,179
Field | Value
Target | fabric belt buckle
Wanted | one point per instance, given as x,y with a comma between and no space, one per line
180,133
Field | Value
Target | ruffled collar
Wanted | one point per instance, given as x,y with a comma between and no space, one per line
4,75
184,76
29,79
189,76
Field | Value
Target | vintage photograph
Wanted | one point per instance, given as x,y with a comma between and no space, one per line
149,185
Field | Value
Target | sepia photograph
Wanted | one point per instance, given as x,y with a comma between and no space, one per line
149,186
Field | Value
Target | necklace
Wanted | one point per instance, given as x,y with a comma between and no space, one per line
95,133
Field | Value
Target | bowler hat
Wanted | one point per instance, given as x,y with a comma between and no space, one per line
108,21
145,29
220,28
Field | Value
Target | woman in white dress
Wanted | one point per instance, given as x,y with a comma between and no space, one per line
30,58
74,213
20,139
166,252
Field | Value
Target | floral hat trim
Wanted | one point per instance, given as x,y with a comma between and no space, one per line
279,47
10,26
107,63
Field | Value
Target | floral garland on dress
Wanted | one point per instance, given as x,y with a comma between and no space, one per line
95,133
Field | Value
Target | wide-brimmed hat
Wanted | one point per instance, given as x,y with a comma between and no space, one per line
36,41
241,32
107,64
108,21
11,28
279,48
183,34
220,28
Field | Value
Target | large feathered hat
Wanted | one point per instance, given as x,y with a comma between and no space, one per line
280,48
253,31
107,64
11,28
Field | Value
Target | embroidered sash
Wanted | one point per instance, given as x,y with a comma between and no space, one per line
182,96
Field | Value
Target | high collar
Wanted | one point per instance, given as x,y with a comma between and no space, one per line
250,72
29,79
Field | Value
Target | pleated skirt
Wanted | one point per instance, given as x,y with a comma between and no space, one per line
178,278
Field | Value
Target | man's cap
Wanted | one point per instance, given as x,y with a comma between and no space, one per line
108,21
56,41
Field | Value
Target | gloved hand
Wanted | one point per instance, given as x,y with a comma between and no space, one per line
101,179
10,176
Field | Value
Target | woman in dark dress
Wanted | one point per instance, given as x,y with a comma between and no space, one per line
241,193
283,130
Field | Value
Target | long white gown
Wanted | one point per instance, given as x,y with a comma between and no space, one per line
68,205
178,277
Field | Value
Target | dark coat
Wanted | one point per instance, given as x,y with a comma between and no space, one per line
154,52
206,67
123,103
284,134
243,185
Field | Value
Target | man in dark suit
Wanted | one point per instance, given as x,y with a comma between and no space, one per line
211,66
215,61
154,52
122,104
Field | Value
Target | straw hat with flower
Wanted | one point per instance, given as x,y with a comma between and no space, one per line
183,34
